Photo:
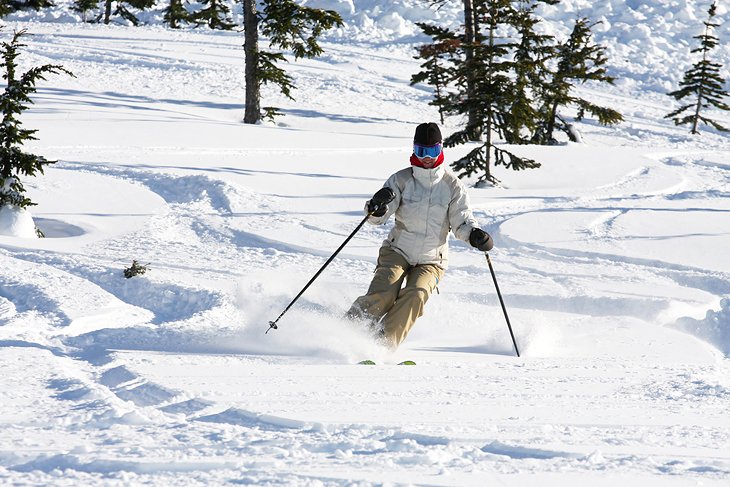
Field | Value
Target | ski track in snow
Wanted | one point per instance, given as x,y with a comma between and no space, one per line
169,379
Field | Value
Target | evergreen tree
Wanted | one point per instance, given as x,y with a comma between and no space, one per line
702,81
217,15
124,9
35,4
503,76
15,163
175,14
578,60
531,54
438,66
10,6
6,8
288,26
486,92
84,6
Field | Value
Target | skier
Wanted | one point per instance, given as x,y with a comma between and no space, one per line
427,201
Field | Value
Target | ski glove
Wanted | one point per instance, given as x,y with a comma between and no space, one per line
378,204
481,240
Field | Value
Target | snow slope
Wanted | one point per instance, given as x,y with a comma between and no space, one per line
611,258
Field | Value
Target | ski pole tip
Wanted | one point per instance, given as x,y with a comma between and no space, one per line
272,324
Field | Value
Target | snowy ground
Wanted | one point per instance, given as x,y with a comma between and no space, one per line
612,260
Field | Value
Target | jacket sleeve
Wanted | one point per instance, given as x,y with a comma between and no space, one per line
391,183
461,219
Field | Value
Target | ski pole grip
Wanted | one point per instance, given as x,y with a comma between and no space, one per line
383,197
380,200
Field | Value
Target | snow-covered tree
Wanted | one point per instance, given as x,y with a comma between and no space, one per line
288,26
702,82
14,162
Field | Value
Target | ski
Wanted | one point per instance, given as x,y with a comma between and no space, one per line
370,362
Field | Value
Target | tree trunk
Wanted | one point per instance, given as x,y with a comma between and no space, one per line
173,13
107,11
700,92
251,48
470,38
490,69
551,123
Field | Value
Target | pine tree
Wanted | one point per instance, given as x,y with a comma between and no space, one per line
531,54
507,80
6,8
703,81
124,9
467,45
15,163
84,6
10,6
175,14
438,67
578,60
489,102
288,26
217,15
36,4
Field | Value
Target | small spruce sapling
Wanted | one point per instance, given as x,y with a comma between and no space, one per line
136,269
702,82
15,163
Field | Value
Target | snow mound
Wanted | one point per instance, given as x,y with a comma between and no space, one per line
714,328
7,309
16,222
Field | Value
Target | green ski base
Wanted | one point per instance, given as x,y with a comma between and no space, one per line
370,362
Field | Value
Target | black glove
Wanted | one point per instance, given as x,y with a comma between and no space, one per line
481,240
378,204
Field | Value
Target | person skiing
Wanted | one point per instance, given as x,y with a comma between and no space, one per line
428,201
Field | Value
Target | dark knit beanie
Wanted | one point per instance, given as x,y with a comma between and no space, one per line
427,134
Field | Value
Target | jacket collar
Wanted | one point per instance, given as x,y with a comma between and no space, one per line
428,177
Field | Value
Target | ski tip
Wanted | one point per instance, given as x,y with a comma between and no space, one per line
370,362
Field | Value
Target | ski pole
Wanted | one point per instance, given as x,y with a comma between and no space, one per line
390,197
501,301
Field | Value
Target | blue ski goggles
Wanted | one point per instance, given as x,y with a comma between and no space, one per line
423,151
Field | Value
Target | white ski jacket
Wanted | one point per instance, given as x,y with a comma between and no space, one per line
428,203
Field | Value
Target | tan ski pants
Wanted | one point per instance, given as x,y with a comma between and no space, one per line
387,300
